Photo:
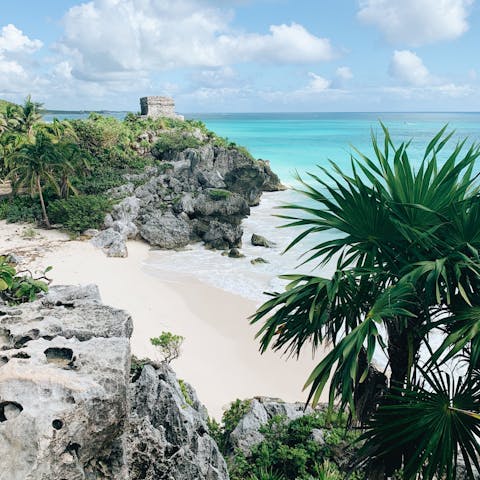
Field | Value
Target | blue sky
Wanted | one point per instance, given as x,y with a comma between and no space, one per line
244,55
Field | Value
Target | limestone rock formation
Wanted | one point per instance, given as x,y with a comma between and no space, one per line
63,388
168,433
247,432
68,410
198,194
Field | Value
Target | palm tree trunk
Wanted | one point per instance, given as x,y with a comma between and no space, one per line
42,201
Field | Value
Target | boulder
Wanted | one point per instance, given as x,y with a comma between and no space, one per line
111,242
259,241
235,253
165,230
90,233
258,260
217,234
247,432
230,206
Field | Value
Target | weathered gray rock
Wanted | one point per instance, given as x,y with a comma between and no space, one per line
200,193
232,205
318,436
217,234
262,409
111,242
69,295
63,388
258,261
235,253
168,433
165,230
90,233
69,412
259,241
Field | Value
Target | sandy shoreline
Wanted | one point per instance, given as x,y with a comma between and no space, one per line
220,356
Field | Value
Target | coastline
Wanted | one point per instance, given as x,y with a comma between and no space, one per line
220,356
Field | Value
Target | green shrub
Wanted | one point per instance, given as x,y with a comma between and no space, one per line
164,167
20,209
231,417
19,287
218,194
289,450
168,345
170,143
79,213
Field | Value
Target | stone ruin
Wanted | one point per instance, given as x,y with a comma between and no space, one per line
156,107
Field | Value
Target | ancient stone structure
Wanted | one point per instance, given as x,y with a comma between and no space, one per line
156,107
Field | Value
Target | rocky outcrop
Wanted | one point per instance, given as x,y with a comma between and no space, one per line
63,388
198,194
69,411
168,433
247,432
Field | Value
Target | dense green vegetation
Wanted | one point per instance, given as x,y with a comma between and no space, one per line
406,249
61,171
289,450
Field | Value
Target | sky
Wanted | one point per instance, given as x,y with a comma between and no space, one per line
243,55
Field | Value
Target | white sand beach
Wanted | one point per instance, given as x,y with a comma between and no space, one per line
219,358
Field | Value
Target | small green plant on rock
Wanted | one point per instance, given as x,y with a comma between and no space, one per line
185,392
19,287
218,194
168,345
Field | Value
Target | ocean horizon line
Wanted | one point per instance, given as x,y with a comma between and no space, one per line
436,112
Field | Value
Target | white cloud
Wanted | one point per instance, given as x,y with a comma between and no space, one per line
408,67
416,81
15,48
344,73
417,22
285,44
12,40
215,77
114,39
317,83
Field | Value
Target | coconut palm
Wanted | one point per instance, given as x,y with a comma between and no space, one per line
25,117
407,267
33,168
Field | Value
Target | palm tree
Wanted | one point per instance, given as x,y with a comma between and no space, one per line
27,116
34,167
72,160
407,268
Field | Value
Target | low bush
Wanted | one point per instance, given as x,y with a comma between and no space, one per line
169,143
290,451
218,194
20,209
79,213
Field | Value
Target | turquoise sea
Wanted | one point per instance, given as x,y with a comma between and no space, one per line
293,141
300,141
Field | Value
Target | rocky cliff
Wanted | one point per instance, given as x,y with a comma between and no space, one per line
70,410
190,195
